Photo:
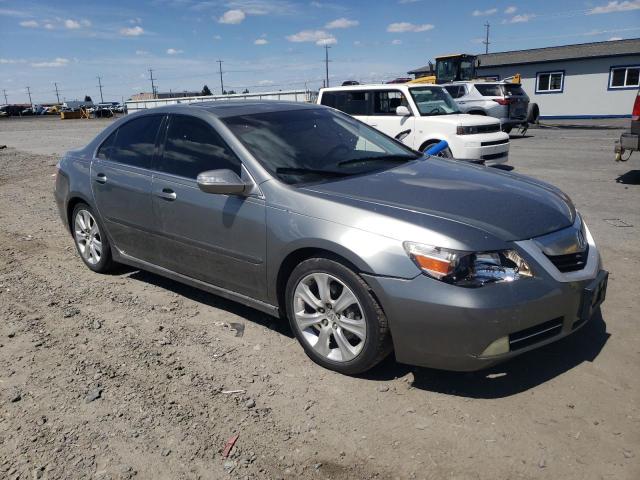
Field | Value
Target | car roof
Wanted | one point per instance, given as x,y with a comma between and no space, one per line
378,86
232,108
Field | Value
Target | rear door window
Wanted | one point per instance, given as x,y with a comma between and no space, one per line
135,142
489,90
193,147
456,91
351,102
385,102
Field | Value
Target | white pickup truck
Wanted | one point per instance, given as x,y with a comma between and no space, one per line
421,116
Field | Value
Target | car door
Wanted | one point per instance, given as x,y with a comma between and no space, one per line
215,238
121,184
384,118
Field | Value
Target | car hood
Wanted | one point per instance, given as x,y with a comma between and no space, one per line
508,206
465,119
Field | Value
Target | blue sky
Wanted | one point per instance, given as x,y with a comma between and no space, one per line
269,44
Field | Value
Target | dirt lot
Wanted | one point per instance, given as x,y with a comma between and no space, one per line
130,375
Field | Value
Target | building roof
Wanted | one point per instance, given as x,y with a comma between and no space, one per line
565,52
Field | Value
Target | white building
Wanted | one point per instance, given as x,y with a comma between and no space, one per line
589,80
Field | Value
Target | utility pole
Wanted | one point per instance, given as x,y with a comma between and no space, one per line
326,64
100,86
57,93
5,96
153,86
29,93
221,84
486,40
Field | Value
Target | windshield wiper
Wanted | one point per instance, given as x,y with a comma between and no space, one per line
305,171
388,158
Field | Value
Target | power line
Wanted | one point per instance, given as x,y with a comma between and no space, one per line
29,93
153,86
326,64
57,93
100,86
221,83
486,40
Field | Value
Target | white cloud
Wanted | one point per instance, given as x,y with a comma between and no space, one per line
49,26
402,27
616,6
357,43
510,10
320,37
217,37
29,24
142,52
10,61
57,62
174,51
265,82
522,18
261,41
484,13
396,42
613,39
132,32
71,24
342,23
232,17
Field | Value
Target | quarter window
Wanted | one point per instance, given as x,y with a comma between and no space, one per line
624,77
135,142
193,147
106,149
353,103
386,102
456,91
549,82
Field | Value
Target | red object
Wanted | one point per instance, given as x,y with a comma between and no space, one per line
635,114
502,101
229,446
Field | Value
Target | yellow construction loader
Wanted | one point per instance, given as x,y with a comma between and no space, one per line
456,67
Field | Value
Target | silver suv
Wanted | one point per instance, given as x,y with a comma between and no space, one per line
505,101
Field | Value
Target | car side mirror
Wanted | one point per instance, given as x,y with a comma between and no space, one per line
403,111
224,182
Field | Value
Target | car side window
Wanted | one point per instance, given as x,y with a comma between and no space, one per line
105,151
353,103
193,147
385,102
456,91
135,142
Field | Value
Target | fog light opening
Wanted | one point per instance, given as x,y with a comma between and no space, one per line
497,347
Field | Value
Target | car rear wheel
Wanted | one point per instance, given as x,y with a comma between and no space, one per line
335,317
91,243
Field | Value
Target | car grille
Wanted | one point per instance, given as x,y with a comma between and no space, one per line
535,334
571,262
494,127
495,142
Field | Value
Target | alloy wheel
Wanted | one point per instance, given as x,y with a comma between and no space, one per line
88,237
330,317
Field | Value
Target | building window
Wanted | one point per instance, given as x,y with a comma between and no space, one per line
549,82
624,77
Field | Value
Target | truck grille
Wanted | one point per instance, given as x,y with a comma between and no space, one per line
494,127
535,334
571,262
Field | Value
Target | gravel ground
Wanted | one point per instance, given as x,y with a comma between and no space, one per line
133,376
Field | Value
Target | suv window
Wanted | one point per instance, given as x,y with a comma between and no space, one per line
456,91
353,103
513,89
489,90
385,102
193,147
135,142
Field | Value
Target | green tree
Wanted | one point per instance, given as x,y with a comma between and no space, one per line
206,91
246,90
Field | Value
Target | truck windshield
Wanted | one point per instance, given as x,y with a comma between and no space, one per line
433,101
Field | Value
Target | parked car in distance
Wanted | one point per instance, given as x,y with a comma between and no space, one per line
421,116
365,245
630,141
505,101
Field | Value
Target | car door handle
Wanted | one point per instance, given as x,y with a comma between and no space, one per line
101,178
167,194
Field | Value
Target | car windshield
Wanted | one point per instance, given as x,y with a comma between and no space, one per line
433,101
315,145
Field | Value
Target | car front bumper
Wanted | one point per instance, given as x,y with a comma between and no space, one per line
437,325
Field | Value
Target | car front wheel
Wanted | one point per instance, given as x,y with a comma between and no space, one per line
335,317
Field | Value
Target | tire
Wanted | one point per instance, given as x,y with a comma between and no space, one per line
349,312
533,113
90,239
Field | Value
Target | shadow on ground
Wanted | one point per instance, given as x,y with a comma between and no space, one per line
512,377
632,177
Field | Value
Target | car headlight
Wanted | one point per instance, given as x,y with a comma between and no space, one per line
468,269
